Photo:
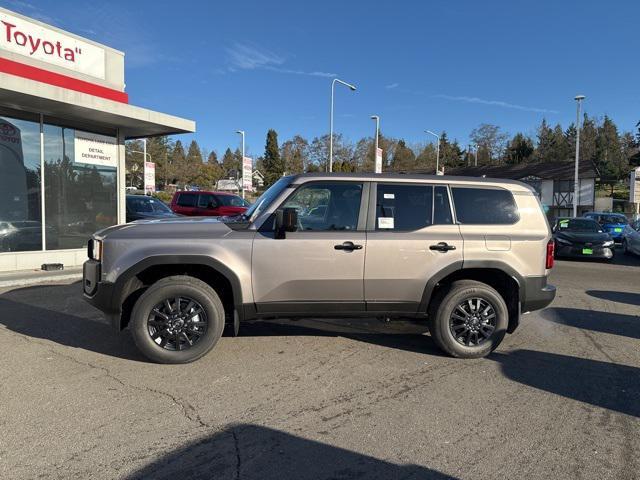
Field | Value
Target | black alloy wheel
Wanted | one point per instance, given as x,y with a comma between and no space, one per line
473,321
177,323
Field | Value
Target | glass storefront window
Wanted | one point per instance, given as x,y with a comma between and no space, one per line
20,212
80,198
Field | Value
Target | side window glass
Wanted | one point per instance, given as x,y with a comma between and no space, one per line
327,206
403,207
187,200
484,206
204,201
441,207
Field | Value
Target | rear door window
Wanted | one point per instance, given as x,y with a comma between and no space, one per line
484,206
187,199
206,200
404,207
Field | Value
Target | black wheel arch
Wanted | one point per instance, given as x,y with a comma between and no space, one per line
134,281
499,275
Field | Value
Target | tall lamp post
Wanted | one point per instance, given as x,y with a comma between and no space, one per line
437,150
333,84
241,132
576,180
375,152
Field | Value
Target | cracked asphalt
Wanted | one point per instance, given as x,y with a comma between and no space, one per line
320,399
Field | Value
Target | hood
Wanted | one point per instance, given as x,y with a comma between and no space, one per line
171,227
582,237
149,215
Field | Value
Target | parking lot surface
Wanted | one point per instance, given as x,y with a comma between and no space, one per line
333,399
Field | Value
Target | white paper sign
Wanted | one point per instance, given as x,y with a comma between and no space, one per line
36,41
390,196
95,149
385,222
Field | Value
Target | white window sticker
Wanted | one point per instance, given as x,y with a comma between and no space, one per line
385,222
389,195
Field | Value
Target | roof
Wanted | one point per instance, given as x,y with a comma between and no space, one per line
545,171
215,192
404,177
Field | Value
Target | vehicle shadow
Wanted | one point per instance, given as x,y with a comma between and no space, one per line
59,314
605,322
620,297
254,452
602,384
408,336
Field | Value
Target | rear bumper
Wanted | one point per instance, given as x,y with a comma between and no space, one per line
100,294
569,251
537,294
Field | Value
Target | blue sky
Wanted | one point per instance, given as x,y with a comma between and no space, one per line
446,65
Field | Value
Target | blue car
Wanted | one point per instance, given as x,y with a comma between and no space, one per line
612,223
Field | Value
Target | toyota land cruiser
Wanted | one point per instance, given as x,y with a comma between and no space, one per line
465,255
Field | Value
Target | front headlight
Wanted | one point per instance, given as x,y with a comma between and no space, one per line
608,243
96,250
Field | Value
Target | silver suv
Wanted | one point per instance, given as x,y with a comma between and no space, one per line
465,255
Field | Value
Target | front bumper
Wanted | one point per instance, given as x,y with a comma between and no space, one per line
537,294
570,251
100,294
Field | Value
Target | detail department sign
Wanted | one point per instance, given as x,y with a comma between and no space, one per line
95,149
36,41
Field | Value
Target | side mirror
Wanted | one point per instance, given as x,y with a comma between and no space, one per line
286,221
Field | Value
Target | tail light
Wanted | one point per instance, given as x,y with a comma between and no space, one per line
550,248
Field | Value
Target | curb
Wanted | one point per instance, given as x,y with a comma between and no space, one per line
36,279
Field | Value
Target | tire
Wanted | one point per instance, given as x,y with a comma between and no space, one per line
445,306
199,334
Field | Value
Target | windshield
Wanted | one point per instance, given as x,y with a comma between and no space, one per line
266,198
617,219
578,225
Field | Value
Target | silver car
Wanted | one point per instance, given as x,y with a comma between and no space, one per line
631,238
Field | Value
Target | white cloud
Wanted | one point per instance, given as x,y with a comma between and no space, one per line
497,103
391,86
244,56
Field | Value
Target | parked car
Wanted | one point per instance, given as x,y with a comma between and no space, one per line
612,223
631,238
582,238
142,207
465,256
208,204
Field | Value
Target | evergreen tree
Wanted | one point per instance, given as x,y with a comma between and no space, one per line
212,158
561,148
545,149
273,162
179,164
520,149
230,164
609,157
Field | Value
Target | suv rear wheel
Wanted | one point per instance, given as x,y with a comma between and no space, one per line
177,320
468,320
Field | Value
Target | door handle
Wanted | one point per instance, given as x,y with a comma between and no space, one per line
442,247
348,246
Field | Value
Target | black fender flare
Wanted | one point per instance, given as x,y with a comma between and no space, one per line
126,281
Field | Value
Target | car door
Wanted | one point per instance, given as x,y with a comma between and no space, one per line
634,237
207,205
186,203
319,267
411,239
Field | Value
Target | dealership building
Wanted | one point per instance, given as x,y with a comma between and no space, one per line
64,119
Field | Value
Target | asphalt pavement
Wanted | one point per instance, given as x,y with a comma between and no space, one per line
320,399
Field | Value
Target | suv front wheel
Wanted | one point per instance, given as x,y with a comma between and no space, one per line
177,320
468,320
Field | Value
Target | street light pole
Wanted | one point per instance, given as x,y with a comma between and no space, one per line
576,181
476,155
375,152
241,132
333,84
437,150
